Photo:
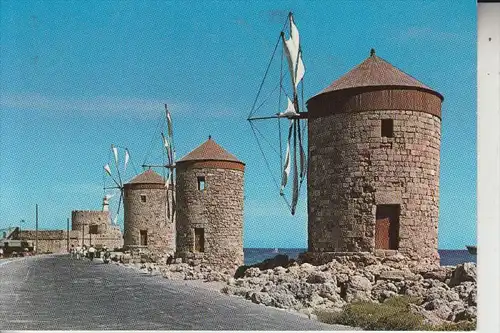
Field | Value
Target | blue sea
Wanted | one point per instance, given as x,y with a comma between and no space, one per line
448,257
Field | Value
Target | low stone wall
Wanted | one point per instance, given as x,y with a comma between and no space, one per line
56,241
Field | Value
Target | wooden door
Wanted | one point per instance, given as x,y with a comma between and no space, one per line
382,227
199,240
144,237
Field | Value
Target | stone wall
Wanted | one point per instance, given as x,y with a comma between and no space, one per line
352,169
218,210
54,241
150,215
107,234
83,218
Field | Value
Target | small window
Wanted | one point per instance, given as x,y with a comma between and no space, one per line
143,198
144,237
201,183
387,128
199,240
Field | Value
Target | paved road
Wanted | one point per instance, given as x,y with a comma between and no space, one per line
58,293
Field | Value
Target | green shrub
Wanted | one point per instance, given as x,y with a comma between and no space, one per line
393,314
460,326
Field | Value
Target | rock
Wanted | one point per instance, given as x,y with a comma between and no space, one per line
306,267
429,317
256,281
178,261
468,314
398,257
392,287
252,272
357,282
462,273
302,290
329,291
342,278
456,308
126,258
398,275
451,296
279,270
283,300
318,277
369,276
309,313
440,274
261,298
439,307
241,283
385,294
472,298
240,271
464,289
435,293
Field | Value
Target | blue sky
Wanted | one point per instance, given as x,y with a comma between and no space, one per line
78,76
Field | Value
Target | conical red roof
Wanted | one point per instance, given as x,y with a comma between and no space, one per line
373,72
147,177
209,151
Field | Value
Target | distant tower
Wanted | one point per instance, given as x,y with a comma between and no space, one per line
98,223
373,183
105,204
210,206
146,223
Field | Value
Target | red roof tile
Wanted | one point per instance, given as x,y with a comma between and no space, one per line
209,150
147,177
373,72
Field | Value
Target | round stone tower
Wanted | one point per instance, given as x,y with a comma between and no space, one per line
210,206
146,223
81,220
373,182
94,227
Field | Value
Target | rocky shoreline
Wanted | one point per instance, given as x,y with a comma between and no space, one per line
447,294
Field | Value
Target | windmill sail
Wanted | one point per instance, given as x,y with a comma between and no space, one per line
294,160
290,110
294,55
108,169
127,157
121,171
115,153
286,171
295,189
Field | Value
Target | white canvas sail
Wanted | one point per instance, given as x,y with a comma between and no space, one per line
294,55
302,161
295,189
167,182
290,110
115,153
127,157
299,69
286,167
108,169
169,124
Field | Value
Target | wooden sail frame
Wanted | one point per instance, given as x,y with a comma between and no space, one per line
298,134
120,182
170,165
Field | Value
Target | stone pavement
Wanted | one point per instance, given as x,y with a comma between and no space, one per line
55,292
